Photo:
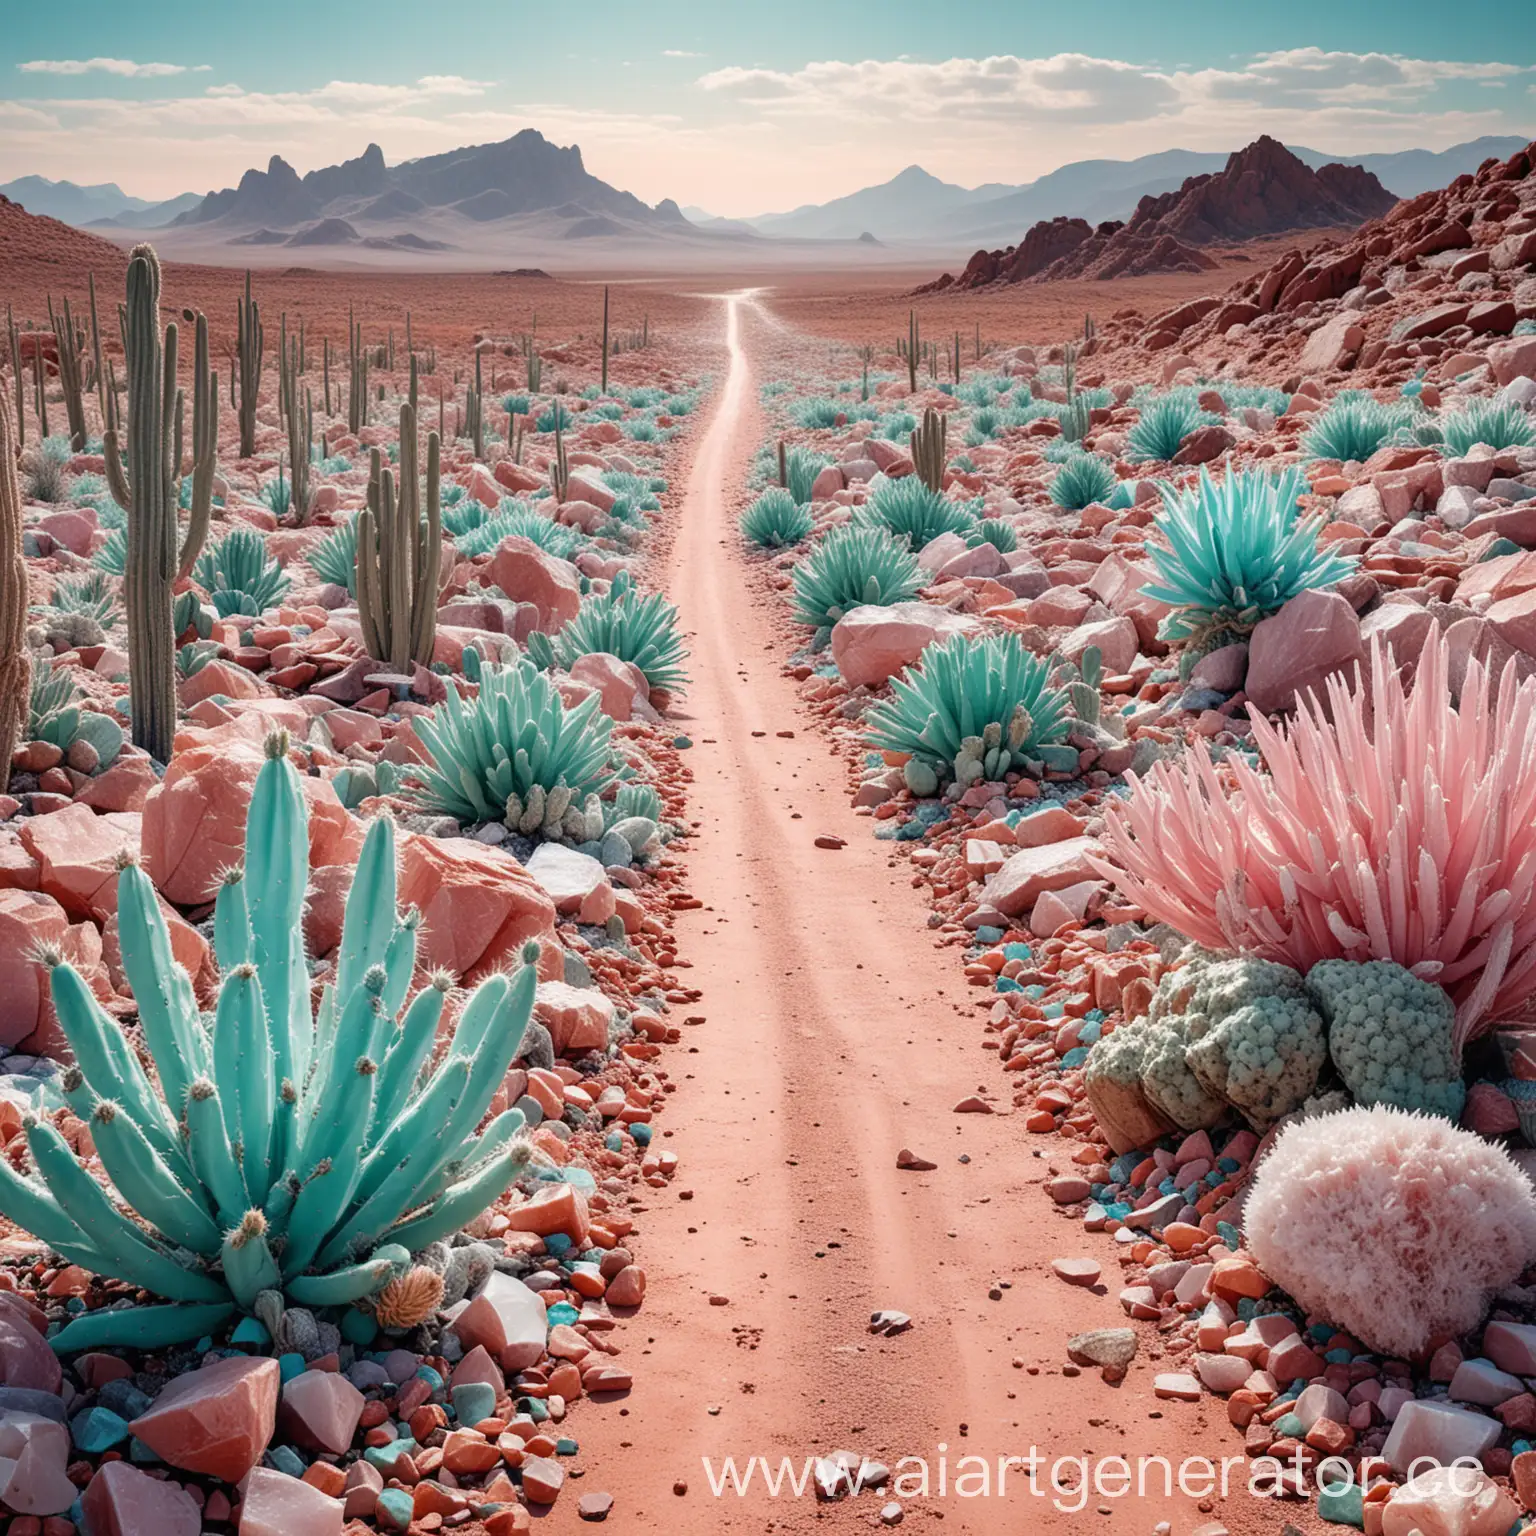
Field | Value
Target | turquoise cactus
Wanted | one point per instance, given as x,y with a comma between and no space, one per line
517,519
971,709
54,715
850,567
913,513
239,576
775,520
513,743
636,627
275,1147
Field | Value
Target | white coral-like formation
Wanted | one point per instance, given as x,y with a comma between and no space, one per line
1397,1227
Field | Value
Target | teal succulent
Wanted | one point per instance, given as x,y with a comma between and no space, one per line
1236,550
518,520
90,594
909,511
55,715
238,574
1498,424
554,415
270,1148
112,557
851,566
1164,423
801,467
775,520
636,627
277,496
463,515
997,533
818,412
1082,480
512,748
1353,426
334,558
972,709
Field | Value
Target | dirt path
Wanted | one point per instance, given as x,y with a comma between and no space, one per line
836,1034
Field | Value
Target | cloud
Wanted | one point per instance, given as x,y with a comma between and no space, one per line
680,53
123,67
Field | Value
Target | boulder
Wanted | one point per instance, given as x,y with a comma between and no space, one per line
1116,640
527,574
577,1018
77,853
194,821
870,644
1332,345
1031,871
216,1420
566,875
123,1501
1438,1432
621,684
1315,635
27,919
1513,359
222,679
1450,1501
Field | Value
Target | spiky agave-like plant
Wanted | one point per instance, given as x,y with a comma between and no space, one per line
334,558
513,750
1085,478
1353,426
634,626
1236,550
850,567
279,1149
1164,423
1499,424
971,709
239,575
775,520
518,520
913,512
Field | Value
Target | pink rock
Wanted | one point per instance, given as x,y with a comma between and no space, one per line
527,574
1222,669
361,1490
507,1319
1511,1347
219,677
25,1358
34,1451
320,1409
194,821
1179,1386
478,1366
1222,1373
516,478
577,1018
627,1288
1059,606
123,1501
1511,360
1293,1359
1019,883
125,786
1483,1383
1116,640
1449,1501
216,1420
1320,1401
77,853
590,489
566,875
621,683
1438,1432
1490,1112
1315,635
870,644
1051,824
278,1505
27,919
828,482
982,559
1513,620
1331,344
483,487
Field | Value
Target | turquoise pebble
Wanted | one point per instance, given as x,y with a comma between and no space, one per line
290,1365
682,743
1338,1357
427,1374
1289,1426
473,1401
97,1430
1007,984
286,1460
1346,1506
1075,1057
385,1456
252,1332
393,1508
565,1446
558,1244
614,1141
561,1312
642,1134
358,1327
534,1407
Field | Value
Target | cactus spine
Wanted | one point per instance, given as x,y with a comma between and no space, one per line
149,492
250,344
399,554
15,664
928,455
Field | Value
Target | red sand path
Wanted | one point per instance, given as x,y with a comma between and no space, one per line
835,1035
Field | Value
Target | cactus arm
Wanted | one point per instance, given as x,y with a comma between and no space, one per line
318,1125
125,1251
277,870
320,1205
34,1209
428,544
231,923
248,1263
15,659
242,1073
205,451
355,1283
145,1182
141,1327
464,1201
458,1157
160,986
213,1159
406,1054
399,967
370,912
284,1134
117,478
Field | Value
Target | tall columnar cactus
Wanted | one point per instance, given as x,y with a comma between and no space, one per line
281,1149
300,418
14,337
70,345
15,664
605,338
40,387
106,402
250,343
474,422
357,388
399,555
559,468
928,449
149,492
914,350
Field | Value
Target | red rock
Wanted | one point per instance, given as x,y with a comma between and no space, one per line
621,683
27,919
219,678
25,1358
123,1501
320,1409
1116,640
1511,360
1315,635
70,528
1076,1271
542,1479
553,1208
527,574
479,907
364,1482
871,644
1204,445
1332,344
1031,871
627,1288
577,1018
278,1505
216,1420
77,853
125,786
506,1319
194,821
477,1365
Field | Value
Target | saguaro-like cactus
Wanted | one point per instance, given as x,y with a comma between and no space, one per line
474,420
357,389
70,345
299,416
399,555
149,492
914,350
605,338
928,455
15,664
14,337
250,343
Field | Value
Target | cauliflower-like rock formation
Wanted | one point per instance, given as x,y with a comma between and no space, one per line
1397,1227
1252,1035
1165,1073
1112,1081
1390,1035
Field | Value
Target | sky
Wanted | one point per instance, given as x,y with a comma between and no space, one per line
744,109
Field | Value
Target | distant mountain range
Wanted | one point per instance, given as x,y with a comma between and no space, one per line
104,203
916,206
